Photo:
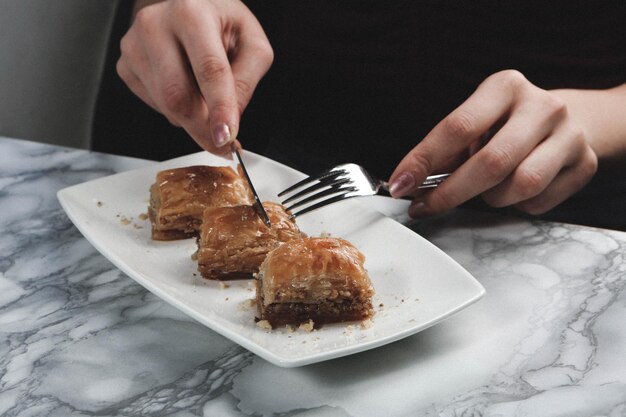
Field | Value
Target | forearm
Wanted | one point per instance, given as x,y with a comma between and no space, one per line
602,115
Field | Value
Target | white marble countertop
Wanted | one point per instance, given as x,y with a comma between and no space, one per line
79,338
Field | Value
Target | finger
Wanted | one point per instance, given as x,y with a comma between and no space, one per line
529,124
491,101
250,63
203,43
569,181
133,62
134,84
485,137
539,169
177,93
170,79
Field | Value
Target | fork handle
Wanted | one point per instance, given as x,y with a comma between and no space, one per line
431,181
384,191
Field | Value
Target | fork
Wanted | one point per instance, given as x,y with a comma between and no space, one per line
340,183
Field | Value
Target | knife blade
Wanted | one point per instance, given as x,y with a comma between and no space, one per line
258,207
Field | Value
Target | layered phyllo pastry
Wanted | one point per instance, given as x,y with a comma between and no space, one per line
179,197
323,280
234,241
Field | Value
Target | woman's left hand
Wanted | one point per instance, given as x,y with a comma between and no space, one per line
537,157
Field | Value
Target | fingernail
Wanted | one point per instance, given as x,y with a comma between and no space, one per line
402,185
221,135
417,209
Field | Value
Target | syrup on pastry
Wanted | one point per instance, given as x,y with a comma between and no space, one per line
234,241
179,196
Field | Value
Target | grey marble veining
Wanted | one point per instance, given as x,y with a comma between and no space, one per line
79,338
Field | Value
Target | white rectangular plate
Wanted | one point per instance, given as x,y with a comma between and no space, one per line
417,285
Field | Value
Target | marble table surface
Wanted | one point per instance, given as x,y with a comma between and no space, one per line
79,338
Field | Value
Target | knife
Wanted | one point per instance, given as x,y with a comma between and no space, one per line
258,207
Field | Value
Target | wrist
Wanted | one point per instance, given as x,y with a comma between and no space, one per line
599,113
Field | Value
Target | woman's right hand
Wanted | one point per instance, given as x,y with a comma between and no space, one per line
197,62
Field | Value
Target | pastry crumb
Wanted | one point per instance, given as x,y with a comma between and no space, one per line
99,204
224,285
290,328
366,324
264,324
124,221
136,226
307,326
381,305
246,305
143,216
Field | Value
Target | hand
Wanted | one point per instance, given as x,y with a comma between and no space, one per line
536,158
197,62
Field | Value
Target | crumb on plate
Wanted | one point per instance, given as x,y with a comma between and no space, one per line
264,324
366,324
307,326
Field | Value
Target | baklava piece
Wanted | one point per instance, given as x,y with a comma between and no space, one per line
234,241
179,196
318,279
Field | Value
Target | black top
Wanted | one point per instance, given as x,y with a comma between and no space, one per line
363,81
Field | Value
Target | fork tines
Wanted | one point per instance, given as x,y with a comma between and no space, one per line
329,183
